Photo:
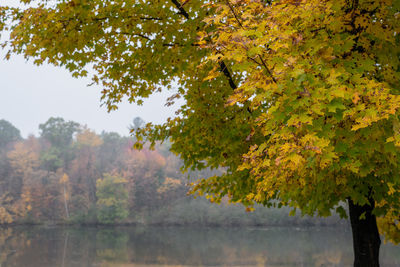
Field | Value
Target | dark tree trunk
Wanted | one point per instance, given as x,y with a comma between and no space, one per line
366,240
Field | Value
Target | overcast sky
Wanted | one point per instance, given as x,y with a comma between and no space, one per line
29,95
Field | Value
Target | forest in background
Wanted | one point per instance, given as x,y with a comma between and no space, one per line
71,175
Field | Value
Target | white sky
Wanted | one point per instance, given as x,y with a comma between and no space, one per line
29,95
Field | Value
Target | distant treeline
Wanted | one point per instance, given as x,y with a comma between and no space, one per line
70,174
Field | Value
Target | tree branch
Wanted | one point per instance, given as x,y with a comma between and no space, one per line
222,65
148,38
133,34
264,65
268,70
179,6
225,71
127,17
234,13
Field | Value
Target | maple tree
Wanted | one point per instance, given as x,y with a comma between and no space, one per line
23,162
298,100
84,164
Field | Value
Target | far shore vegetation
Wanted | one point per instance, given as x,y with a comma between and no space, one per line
71,175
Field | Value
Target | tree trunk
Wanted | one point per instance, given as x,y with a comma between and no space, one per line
66,203
366,240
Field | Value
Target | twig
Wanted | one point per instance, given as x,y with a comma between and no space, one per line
234,13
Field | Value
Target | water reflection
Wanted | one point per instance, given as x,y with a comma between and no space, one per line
177,246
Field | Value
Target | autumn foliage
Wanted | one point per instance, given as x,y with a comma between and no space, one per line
297,99
85,177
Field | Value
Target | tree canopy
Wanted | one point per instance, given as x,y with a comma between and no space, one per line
58,131
298,100
8,133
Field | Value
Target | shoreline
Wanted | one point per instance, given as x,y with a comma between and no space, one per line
344,223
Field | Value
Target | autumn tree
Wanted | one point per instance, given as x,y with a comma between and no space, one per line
112,200
171,189
84,171
47,196
24,162
86,144
148,178
298,100
109,154
64,181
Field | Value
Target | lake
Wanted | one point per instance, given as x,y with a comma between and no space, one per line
180,246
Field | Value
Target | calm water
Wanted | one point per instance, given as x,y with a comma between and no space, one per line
179,246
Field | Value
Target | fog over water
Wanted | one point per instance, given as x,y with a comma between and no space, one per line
180,246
